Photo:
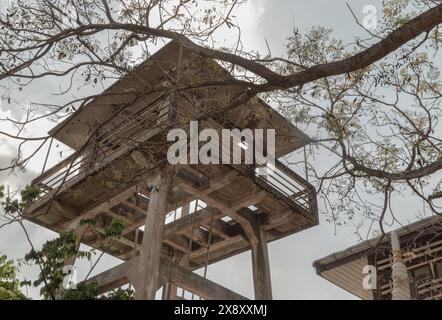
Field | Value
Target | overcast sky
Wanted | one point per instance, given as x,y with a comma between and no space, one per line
293,276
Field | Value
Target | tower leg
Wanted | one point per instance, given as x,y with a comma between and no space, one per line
148,275
169,291
261,267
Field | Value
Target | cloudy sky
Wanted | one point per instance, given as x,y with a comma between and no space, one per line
293,276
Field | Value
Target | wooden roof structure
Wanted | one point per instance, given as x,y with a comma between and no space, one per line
344,268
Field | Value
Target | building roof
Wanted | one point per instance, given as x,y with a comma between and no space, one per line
75,130
344,268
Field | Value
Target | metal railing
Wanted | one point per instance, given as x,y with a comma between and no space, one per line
107,146
115,141
285,184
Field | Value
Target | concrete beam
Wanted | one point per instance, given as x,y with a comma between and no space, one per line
170,273
192,282
106,205
115,277
224,207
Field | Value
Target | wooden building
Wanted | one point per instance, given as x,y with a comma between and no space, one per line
176,218
421,248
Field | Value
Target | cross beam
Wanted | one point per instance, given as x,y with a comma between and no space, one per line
169,273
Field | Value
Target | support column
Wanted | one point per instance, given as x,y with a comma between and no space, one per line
148,275
169,291
260,265
185,210
399,274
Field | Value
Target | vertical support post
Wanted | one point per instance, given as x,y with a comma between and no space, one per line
185,209
169,291
399,274
148,275
260,265
47,156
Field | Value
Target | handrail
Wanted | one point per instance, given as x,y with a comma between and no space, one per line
111,144
103,149
53,169
292,188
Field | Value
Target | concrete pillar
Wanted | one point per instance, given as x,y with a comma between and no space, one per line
401,282
148,274
185,209
169,291
260,265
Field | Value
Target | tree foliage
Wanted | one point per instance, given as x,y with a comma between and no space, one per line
9,284
52,258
